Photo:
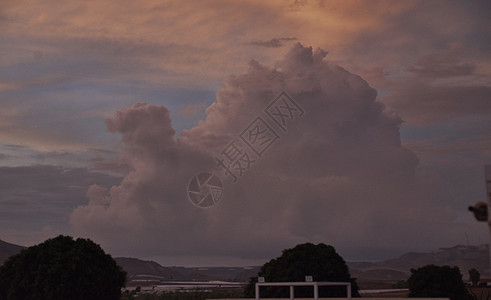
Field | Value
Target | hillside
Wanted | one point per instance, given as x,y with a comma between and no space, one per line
464,257
7,250
141,272
135,267
369,274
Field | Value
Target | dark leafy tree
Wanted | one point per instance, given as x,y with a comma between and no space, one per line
61,268
320,261
474,276
437,281
401,284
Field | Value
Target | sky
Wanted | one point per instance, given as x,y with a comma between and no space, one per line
213,133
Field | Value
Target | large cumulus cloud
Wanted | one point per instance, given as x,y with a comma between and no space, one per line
337,175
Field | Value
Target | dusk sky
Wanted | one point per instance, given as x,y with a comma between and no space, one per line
110,108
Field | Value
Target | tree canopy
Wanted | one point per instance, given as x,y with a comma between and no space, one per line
320,261
61,268
437,281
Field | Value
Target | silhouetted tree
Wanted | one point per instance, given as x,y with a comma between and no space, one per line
61,268
437,281
320,261
401,284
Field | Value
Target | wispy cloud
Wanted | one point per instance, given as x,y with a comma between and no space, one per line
273,43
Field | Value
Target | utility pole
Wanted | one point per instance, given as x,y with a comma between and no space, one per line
487,177
480,209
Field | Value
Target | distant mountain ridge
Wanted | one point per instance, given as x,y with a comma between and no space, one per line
392,270
7,250
140,271
135,267
464,257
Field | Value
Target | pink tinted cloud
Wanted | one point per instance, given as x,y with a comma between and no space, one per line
338,174
192,110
